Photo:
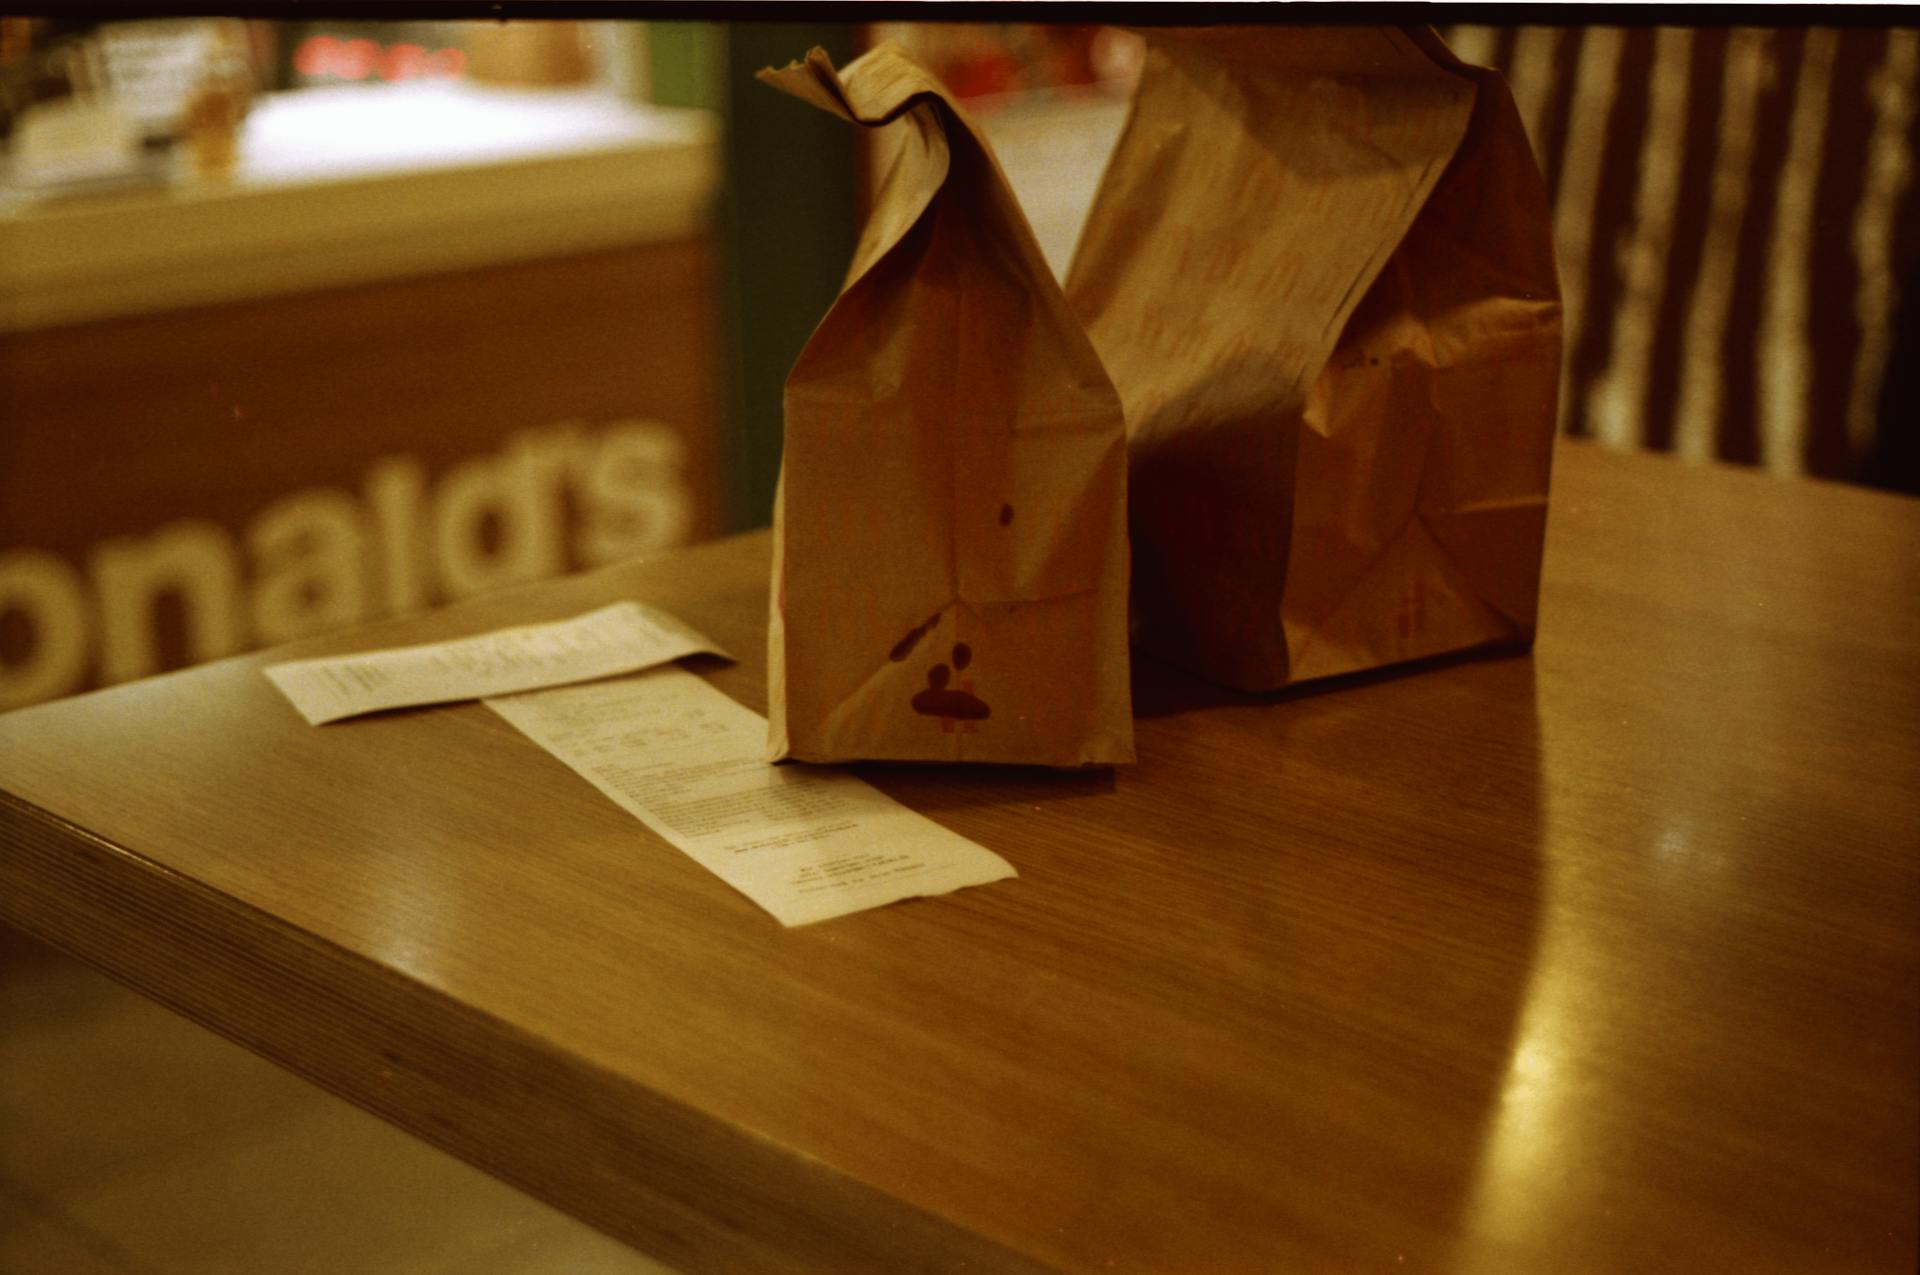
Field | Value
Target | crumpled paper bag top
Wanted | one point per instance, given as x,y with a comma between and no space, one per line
1319,269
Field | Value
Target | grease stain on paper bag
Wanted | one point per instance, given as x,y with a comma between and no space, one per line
948,386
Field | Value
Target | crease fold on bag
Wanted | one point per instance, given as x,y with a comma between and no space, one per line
1319,268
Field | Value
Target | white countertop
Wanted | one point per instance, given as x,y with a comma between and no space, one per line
362,182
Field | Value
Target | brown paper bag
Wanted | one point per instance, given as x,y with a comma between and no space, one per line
1320,271
950,556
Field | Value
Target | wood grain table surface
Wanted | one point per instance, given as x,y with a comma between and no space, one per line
1604,957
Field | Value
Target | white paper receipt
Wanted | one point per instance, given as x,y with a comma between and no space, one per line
804,843
620,638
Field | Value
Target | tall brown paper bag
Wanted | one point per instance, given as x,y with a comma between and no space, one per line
1320,270
950,555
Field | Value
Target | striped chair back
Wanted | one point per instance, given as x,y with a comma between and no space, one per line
1735,212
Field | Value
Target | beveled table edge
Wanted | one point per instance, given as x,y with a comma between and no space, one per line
684,1187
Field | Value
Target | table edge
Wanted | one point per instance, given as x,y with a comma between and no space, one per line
711,1197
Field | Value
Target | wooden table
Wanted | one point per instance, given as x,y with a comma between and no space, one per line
1600,959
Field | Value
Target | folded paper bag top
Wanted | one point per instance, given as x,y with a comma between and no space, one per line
1320,270
950,554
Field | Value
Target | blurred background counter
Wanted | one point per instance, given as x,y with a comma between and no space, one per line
398,341
356,183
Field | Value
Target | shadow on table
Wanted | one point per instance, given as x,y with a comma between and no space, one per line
932,787
1161,689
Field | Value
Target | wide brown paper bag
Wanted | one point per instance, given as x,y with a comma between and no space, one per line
950,554
1320,270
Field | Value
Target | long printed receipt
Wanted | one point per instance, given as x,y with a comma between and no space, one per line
620,638
805,844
